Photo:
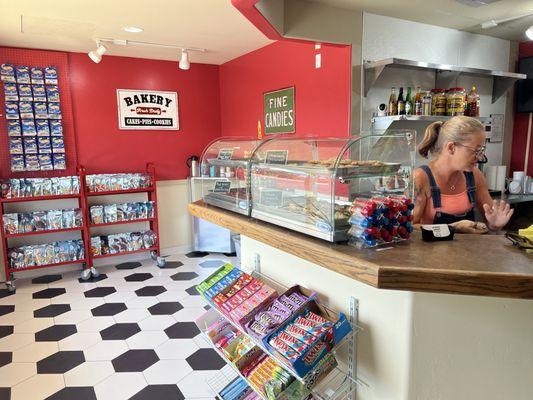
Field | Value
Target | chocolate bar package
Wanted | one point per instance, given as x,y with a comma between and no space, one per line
7,73
31,161
23,74
45,147
13,127
28,127
25,92
54,111
15,145
58,146
52,93
11,92
45,161
25,109
39,93
37,76
42,127
17,163
41,110
12,110
50,75
56,128
59,161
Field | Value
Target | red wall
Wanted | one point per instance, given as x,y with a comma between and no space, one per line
322,96
520,127
102,147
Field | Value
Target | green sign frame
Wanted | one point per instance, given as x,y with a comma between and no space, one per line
279,111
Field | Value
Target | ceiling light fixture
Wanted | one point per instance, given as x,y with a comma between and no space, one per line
529,32
184,60
132,29
493,23
96,55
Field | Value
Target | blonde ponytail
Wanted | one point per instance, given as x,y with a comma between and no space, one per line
431,136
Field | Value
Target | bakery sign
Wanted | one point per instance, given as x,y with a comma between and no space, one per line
147,110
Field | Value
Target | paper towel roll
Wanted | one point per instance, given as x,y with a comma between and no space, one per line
491,173
501,175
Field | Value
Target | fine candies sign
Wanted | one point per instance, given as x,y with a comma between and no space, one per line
147,109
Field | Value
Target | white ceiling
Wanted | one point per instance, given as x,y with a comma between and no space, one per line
72,25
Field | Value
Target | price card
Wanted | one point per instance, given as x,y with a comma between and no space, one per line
271,197
225,154
222,186
277,156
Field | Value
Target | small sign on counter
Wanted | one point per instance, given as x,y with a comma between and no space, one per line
277,157
271,198
222,186
225,154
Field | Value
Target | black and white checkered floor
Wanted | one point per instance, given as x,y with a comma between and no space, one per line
129,335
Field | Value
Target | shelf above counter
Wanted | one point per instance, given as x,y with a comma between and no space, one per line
383,123
444,74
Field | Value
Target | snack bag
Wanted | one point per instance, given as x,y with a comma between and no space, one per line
68,220
97,214
40,220
11,223
149,239
96,246
55,219
110,213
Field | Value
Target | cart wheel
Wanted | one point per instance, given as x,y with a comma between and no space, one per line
86,274
161,262
10,287
153,254
95,273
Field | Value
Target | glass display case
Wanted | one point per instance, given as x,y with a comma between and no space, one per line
224,173
308,184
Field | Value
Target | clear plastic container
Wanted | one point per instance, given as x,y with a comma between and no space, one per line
438,105
456,101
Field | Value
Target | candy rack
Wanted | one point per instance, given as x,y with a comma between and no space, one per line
324,384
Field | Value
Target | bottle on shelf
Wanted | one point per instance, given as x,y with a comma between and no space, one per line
419,110
426,103
408,102
401,102
393,103
472,103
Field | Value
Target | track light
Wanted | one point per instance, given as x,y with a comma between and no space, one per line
96,55
529,32
184,60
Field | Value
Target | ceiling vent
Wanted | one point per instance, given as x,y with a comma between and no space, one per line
476,3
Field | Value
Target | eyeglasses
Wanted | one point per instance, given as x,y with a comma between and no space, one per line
477,152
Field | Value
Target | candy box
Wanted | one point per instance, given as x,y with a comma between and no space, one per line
10,92
13,127
15,145
58,146
50,75
32,162
44,145
17,163
59,161
39,93
25,109
242,314
37,76
42,127
41,110
56,128
23,74
25,92
52,93
45,161
7,73
214,277
12,110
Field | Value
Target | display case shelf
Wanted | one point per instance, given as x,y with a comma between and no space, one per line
82,261
126,191
13,235
122,253
132,221
40,198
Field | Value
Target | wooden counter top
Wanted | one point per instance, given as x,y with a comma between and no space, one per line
486,265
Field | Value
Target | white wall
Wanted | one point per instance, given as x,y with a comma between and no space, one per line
386,37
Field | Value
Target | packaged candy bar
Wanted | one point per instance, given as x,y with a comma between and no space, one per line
311,316
40,220
42,128
56,128
110,213
68,220
28,127
96,246
297,298
17,163
50,75
52,93
23,74
11,223
288,303
55,219
26,222
58,146
12,110
280,309
300,334
15,145
7,73
25,92
266,319
13,127
59,161
287,351
310,326
37,76
54,111
45,161
97,214
44,145
259,329
294,343
41,110
30,145
11,92
25,109
39,93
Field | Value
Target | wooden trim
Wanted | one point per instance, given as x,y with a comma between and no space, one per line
471,264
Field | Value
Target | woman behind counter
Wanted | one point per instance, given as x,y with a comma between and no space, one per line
449,187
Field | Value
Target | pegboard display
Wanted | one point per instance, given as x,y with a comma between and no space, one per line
36,129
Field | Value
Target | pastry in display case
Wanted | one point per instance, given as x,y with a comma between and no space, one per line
309,184
225,172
